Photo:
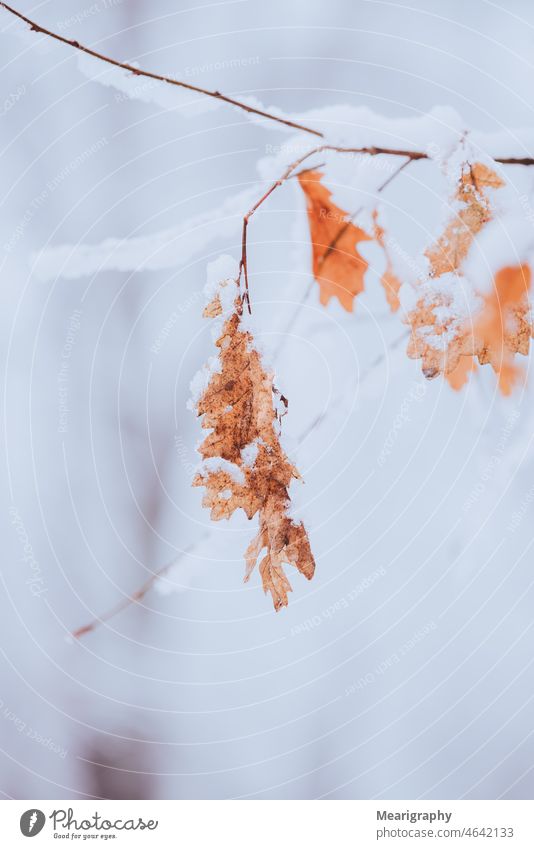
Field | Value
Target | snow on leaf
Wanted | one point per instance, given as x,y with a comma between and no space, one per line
458,377
472,212
337,266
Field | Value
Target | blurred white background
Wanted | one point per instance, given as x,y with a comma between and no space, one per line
416,685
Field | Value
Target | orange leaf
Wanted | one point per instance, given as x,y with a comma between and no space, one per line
458,377
474,211
337,266
389,280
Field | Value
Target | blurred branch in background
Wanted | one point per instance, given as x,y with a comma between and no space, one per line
138,594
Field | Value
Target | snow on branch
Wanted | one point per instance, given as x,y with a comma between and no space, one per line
168,248
252,107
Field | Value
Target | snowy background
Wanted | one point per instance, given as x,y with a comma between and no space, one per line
405,668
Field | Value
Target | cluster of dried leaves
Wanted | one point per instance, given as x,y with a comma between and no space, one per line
450,325
239,408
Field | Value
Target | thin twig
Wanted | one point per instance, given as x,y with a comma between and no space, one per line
139,72
243,267
138,594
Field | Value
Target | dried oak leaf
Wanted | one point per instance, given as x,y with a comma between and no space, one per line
244,465
337,266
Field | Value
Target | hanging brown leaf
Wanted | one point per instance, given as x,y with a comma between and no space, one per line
337,266
244,463
443,323
389,279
